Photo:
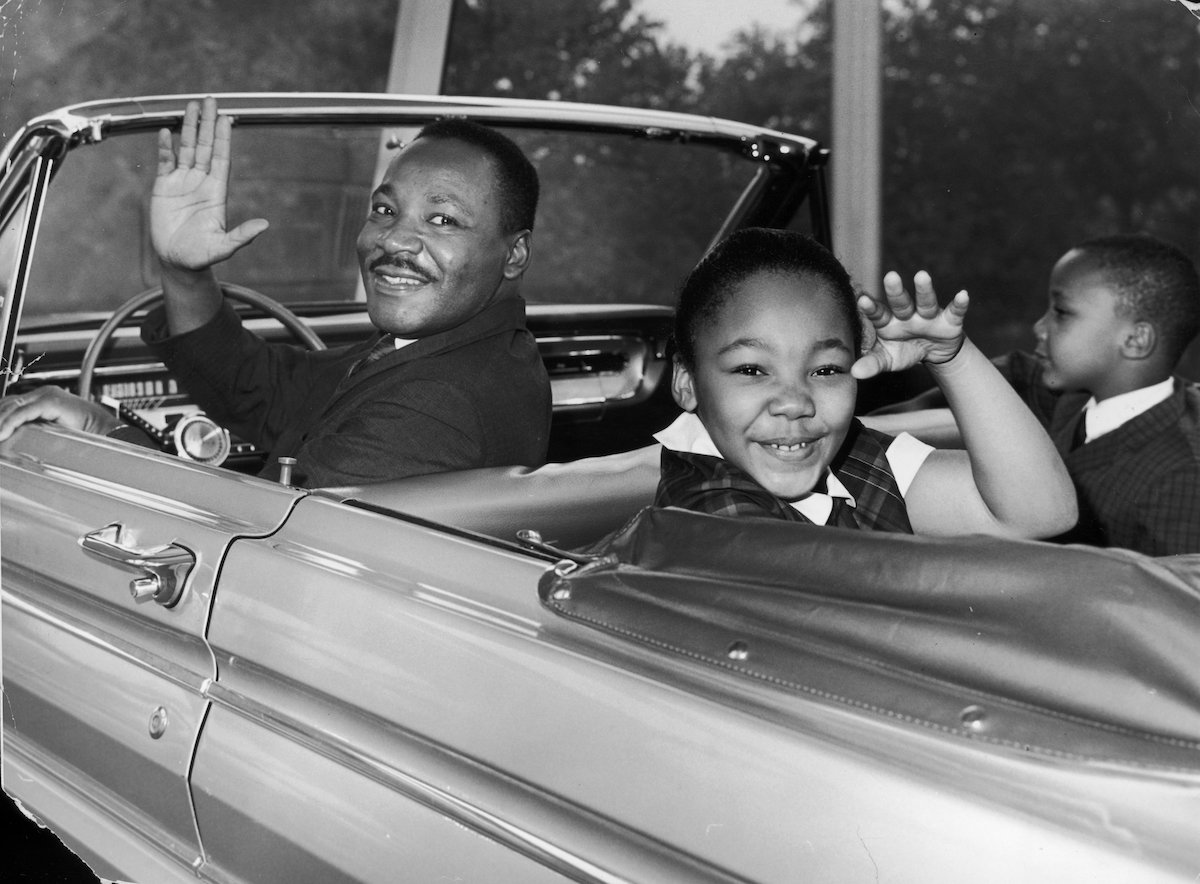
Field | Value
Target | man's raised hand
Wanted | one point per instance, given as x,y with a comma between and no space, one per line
188,202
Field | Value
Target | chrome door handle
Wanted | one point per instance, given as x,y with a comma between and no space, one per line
163,570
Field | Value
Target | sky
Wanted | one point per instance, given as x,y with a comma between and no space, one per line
705,24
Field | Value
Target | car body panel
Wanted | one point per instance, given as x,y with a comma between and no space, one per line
66,610
454,669
386,682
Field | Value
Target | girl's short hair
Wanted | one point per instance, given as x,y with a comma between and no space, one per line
743,254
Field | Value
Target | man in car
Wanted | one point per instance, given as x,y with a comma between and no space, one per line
453,380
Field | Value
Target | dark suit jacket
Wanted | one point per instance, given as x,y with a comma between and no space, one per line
474,396
1138,486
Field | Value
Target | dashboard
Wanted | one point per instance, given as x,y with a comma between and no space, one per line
608,368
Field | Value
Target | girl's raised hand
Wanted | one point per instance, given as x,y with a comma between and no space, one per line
909,329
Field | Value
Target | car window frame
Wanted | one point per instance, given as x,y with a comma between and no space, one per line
24,186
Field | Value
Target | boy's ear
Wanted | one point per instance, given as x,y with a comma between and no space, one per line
1140,341
683,386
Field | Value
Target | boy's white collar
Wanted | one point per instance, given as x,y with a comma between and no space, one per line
1109,414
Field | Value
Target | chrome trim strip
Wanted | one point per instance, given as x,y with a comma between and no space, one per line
80,120
467,814
100,801
87,633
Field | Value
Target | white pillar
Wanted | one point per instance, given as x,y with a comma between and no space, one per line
855,165
419,46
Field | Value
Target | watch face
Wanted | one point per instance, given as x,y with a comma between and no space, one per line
199,438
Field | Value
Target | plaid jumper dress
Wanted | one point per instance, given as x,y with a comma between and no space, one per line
713,485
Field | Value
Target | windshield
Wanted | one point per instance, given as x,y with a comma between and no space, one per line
621,219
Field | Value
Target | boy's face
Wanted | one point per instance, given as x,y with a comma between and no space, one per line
772,381
1080,336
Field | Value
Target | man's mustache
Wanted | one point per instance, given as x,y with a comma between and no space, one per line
399,263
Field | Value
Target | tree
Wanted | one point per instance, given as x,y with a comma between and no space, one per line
1016,129
1012,129
67,53
598,51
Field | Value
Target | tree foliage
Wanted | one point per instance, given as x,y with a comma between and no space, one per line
600,51
69,52
1012,128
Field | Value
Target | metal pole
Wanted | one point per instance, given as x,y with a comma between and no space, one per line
855,167
419,46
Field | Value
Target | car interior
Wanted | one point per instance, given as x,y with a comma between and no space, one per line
620,221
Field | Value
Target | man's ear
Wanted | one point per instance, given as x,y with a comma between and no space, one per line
683,386
517,261
1140,341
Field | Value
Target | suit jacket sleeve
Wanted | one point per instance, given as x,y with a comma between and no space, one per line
1167,513
244,383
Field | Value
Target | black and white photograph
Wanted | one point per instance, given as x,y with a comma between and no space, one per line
600,441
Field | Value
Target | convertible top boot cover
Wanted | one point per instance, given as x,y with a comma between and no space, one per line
1076,650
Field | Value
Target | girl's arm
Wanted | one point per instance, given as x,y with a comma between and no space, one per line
1010,480
933,426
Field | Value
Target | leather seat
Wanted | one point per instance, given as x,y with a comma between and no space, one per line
570,504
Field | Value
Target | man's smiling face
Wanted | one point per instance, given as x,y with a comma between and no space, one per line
433,251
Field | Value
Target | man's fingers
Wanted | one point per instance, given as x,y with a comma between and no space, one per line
166,153
206,134
58,406
16,411
245,233
220,147
187,136
10,406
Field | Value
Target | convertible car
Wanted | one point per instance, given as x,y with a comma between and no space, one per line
515,675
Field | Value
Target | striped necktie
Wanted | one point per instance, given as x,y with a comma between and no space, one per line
1079,436
385,345
842,514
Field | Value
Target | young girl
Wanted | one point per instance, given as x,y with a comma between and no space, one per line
770,349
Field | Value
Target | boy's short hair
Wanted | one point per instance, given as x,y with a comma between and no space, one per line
1155,282
741,255
516,178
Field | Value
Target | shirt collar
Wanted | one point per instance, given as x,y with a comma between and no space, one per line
1105,416
688,434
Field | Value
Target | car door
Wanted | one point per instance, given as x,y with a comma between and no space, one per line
110,557
312,765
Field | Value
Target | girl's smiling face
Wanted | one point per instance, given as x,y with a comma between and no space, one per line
771,380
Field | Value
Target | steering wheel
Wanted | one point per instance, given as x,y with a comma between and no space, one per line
120,316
